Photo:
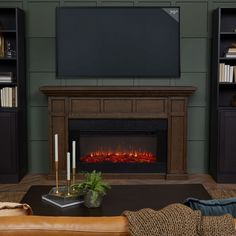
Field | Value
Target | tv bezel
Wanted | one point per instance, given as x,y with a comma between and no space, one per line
120,76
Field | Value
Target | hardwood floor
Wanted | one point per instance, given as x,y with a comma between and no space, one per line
215,190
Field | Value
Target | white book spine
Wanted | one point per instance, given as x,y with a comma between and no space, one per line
225,73
231,73
1,98
10,96
4,97
234,74
227,80
7,96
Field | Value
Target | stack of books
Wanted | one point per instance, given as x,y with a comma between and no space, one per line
60,202
9,97
227,73
6,77
231,53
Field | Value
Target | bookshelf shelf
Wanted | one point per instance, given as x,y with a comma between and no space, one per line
8,109
10,84
8,58
227,83
228,33
227,58
7,31
227,108
223,94
13,139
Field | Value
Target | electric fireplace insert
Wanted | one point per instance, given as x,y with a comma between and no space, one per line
120,145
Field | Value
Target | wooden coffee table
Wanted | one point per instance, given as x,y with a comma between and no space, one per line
119,199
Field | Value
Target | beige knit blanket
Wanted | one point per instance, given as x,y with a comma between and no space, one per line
178,220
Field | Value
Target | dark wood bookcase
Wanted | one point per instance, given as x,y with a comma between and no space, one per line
13,124
222,112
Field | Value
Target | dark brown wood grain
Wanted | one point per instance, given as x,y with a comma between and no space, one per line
121,103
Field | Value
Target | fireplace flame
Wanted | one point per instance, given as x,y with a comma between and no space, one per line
119,157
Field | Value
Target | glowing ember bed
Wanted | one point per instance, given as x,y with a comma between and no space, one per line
122,157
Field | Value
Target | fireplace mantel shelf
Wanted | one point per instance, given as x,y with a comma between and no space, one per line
124,91
110,102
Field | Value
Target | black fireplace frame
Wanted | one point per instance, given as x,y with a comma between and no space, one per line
158,127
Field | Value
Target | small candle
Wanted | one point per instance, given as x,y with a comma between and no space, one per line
56,146
73,154
68,166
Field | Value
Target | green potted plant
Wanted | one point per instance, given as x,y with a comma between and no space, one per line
94,189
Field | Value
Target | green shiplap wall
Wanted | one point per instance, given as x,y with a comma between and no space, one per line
195,59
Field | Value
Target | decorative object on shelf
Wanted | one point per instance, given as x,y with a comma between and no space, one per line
233,101
94,189
231,52
6,77
10,51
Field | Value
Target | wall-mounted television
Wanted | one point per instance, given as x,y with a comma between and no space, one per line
118,42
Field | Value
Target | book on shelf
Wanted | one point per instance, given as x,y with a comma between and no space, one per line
231,74
62,203
6,77
234,74
231,50
221,72
226,73
228,55
9,97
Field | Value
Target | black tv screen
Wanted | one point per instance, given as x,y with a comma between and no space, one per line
118,41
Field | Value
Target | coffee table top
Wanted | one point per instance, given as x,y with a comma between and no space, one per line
119,199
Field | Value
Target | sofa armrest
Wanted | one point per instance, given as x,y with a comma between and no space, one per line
14,209
70,226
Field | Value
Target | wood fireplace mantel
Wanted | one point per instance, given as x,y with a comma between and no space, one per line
160,102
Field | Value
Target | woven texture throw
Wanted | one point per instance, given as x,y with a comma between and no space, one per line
178,220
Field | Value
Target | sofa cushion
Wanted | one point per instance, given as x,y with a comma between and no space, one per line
63,226
14,209
215,207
